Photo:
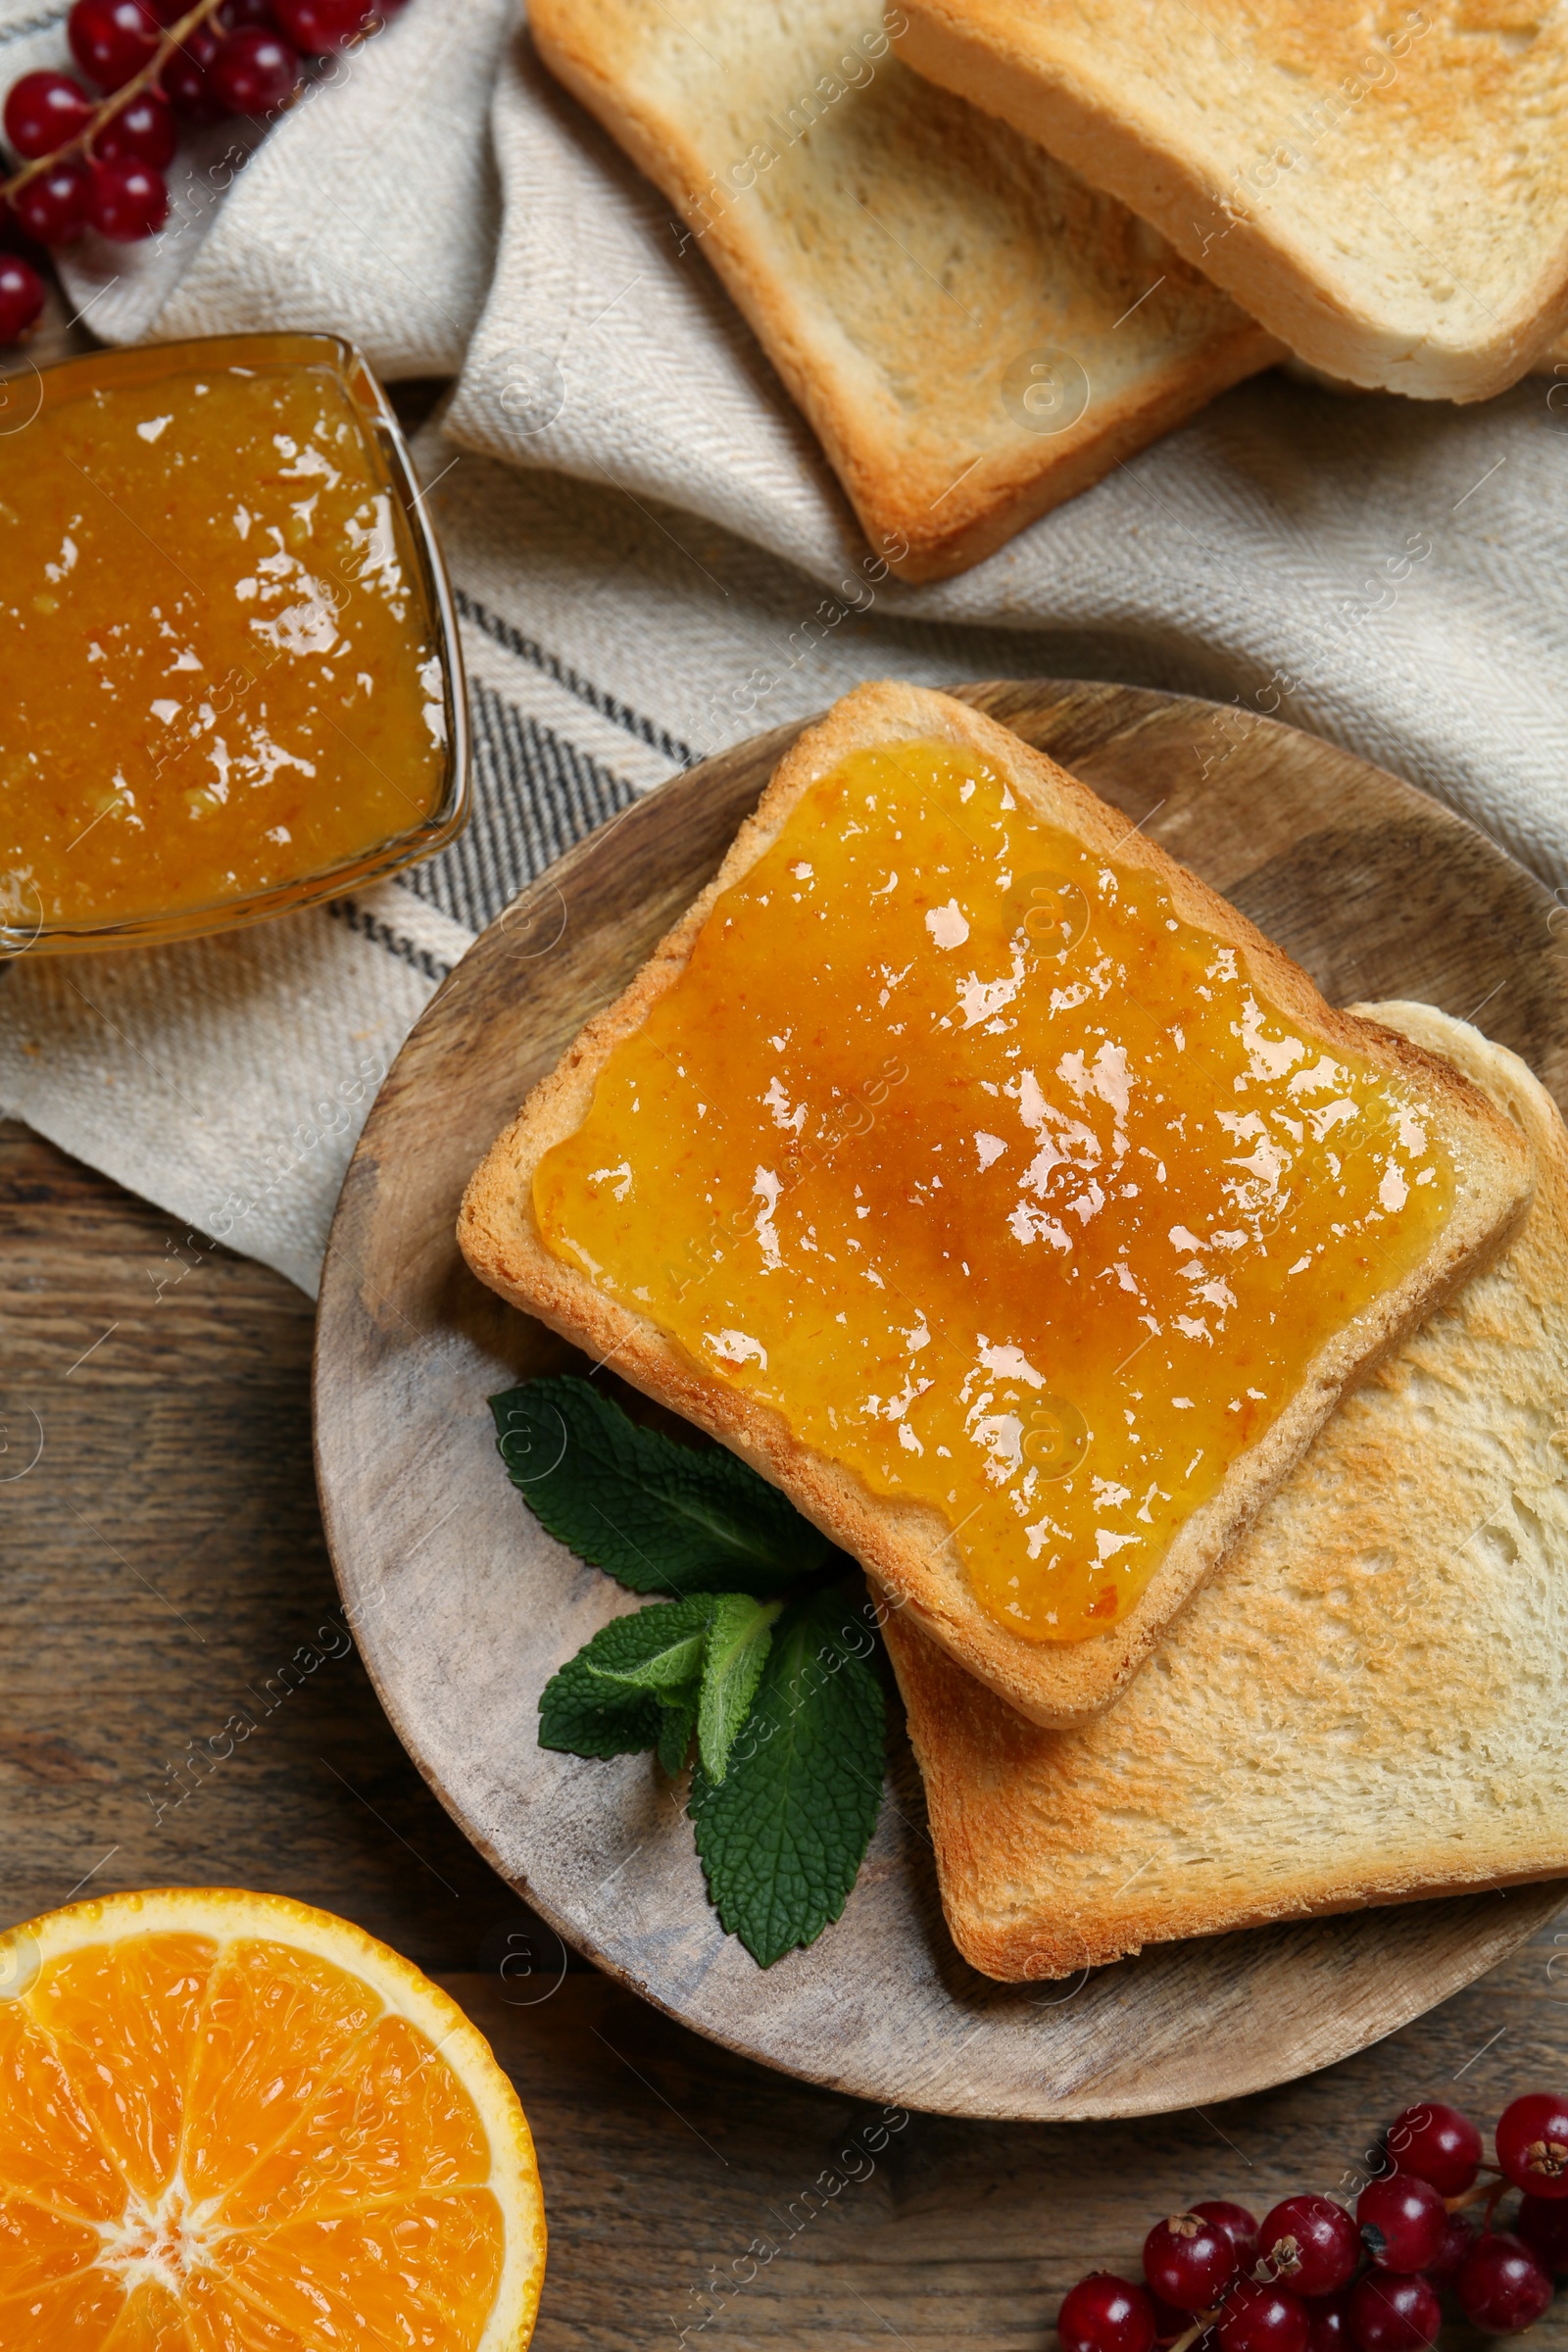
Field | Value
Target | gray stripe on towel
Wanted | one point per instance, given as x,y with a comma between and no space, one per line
534,794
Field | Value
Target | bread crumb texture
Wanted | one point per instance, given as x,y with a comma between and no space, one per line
1383,186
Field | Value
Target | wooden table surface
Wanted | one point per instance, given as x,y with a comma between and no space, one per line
164,1561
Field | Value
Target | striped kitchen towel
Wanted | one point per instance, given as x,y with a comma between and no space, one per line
651,561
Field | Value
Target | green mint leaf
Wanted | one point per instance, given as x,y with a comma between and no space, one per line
676,1732
591,1708
673,1670
656,1516
586,1716
782,1836
739,1636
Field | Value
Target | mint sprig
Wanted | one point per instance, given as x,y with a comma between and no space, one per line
739,1636
656,1516
781,1697
672,1669
783,1834
698,1651
596,1707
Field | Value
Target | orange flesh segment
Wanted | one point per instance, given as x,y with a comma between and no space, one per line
49,2151
385,2127
276,2020
1005,1185
234,2150
82,2003
384,2280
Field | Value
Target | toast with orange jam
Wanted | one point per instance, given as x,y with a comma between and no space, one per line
995,1188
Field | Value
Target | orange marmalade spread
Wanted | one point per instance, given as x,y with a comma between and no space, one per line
1001,1183
215,667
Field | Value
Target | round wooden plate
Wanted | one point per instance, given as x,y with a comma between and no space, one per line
463,1607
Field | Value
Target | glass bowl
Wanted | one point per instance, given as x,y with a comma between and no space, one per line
444,806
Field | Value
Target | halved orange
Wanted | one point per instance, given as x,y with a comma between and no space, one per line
231,2123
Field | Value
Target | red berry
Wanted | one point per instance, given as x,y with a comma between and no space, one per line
168,12
318,25
44,111
1403,2222
126,201
1105,2314
1439,2145
22,296
1189,2262
1502,2287
186,78
1393,2315
1532,2143
143,132
1238,2224
253,72
1311,2245
112,39
1448,2261
1328,2316
1262,2319
53,208
235,12
1542,2224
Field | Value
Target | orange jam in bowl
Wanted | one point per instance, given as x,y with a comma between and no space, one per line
1000,1182
227,662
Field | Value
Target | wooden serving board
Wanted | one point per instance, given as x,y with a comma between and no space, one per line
463,1607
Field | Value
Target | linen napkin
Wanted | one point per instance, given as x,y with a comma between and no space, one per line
652,559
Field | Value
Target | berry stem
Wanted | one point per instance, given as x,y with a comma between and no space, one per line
1201,2320
1496,2188
118,100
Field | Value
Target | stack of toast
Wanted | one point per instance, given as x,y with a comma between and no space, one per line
1338,1676
1367,1703
992,247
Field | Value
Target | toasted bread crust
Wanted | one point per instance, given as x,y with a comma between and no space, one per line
1014,60
918,483
1242,1781
906,1546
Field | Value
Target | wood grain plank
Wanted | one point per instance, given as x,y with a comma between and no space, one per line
165,1573
964,2235
689,2189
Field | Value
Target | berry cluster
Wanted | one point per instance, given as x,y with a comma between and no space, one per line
93,152
1313,2280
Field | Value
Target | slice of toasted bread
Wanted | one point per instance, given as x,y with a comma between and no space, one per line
1368,1703
907,1543
972,333
1387,193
